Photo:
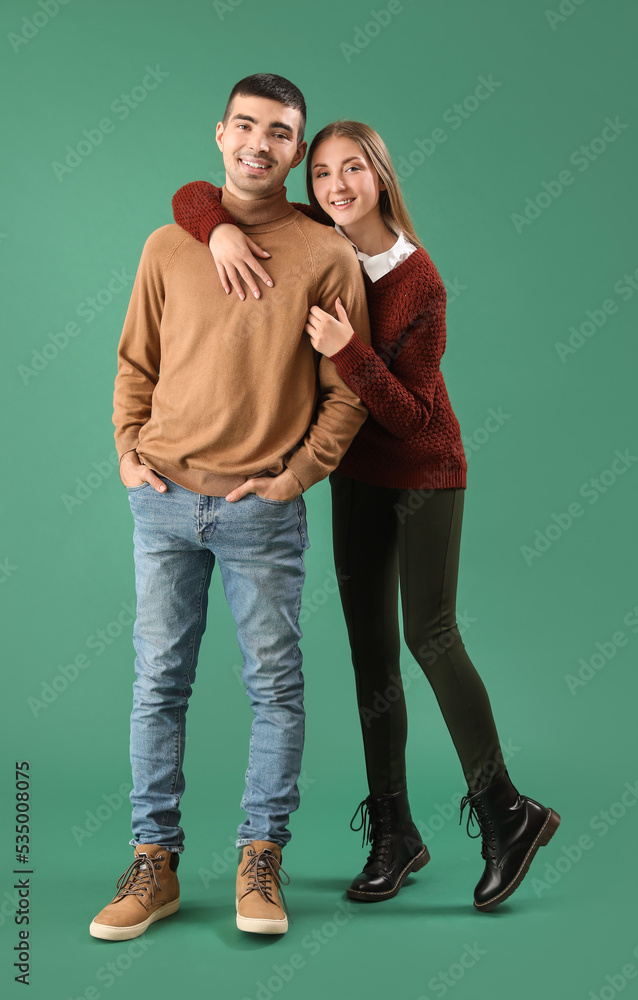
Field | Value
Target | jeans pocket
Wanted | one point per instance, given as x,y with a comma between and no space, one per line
277,503
136,489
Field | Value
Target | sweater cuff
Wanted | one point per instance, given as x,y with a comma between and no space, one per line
351,355
307,471
213,216
297,478
126,441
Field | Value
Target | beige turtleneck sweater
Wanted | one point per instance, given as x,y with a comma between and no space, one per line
212,390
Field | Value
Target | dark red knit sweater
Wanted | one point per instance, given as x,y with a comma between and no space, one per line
411,439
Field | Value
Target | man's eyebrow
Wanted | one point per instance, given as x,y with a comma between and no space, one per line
249,118
343,162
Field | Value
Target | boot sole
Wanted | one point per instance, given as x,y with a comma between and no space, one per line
376,897
260,925
543,837
108,932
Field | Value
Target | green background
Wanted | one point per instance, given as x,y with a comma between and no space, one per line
513,293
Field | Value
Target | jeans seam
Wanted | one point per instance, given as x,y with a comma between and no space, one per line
300,526
178,760
299,668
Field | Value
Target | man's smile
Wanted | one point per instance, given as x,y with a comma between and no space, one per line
254,166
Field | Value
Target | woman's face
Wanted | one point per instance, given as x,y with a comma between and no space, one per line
345,183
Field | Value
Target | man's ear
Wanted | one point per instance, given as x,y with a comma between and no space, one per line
299,155
219,136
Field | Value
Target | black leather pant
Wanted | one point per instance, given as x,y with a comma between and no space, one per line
382,537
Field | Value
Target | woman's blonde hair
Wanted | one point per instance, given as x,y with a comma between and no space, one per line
391,204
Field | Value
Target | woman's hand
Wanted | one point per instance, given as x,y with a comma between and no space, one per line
328,335
235,255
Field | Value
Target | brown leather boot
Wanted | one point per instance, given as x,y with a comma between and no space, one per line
259,878
147,891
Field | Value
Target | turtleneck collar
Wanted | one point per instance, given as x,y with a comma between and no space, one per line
257,211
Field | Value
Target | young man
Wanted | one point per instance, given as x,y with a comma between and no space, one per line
224,414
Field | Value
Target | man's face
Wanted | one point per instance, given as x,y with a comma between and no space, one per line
259,145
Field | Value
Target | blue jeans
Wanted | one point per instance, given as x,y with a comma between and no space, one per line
259,545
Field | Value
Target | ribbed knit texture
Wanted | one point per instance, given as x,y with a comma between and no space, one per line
197,208
411,438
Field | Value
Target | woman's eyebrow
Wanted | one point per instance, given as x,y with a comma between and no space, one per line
347,160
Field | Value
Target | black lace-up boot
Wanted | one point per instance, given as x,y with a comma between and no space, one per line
397,848
513,827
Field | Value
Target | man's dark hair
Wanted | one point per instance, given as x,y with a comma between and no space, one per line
275,88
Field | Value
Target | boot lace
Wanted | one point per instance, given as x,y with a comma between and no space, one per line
264,871
374,832
478,816
140,876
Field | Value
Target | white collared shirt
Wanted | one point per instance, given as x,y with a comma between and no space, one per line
378,265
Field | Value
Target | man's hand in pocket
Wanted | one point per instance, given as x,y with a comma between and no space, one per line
133,473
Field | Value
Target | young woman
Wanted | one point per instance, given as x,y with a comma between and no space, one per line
397,499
